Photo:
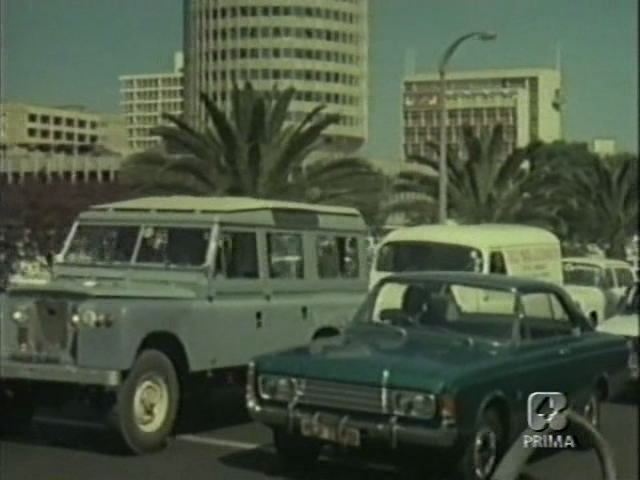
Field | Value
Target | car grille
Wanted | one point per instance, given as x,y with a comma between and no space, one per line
325,394
50,328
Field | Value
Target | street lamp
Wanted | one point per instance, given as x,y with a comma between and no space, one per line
448,53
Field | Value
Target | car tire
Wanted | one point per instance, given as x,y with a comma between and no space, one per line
18,408
485,448
146,404
295,451
591,412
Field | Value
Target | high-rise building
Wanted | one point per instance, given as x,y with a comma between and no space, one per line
145,97
319,47
528,103
70,130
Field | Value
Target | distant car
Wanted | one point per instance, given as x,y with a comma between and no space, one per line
625,323
422,366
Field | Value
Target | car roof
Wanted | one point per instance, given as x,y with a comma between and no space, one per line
598,261
478,280
485,235
185,203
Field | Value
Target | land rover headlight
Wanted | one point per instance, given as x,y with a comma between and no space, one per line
273,387
413,404
20,316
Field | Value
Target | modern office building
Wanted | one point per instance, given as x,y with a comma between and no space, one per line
528,103
70,130
320,47
145,97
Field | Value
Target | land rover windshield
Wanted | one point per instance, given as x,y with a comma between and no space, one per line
114,244
428,256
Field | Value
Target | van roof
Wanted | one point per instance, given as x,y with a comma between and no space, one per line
598,261
480,235
194,204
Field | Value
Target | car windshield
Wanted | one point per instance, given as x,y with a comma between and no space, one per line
428,256
99,244
581,274
439,306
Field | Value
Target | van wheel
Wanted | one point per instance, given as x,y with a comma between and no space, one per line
18,408
147,403
485,448
295,451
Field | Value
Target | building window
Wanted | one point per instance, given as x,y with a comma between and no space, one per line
44,118
285,254
31,132
33,117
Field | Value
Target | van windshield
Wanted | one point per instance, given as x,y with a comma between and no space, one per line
582,274
428,256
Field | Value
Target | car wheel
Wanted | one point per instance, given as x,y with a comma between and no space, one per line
18,408
591,412
147,403
485,448
296,451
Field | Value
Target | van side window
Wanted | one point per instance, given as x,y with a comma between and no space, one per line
497,264
337,257
185,247
286,255
237,255
625,277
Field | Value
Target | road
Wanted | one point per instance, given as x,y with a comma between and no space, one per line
227,446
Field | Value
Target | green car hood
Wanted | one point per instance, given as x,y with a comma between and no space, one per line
419,359
103,288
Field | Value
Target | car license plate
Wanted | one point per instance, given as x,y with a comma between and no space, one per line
314,427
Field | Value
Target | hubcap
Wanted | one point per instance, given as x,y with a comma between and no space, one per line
591,411
484,452
151,403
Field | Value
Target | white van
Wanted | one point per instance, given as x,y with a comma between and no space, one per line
516,250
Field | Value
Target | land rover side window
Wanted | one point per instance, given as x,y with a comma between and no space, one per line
337,257
93,244
497,264
286,255
172,246
237,255
625,277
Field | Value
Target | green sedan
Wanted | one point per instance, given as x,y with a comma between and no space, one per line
449,363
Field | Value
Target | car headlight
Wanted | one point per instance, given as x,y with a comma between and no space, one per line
272,387
413,404
91,318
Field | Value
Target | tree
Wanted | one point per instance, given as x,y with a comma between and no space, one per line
485,184
253,152
604,205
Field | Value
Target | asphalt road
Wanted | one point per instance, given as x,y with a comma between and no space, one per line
222,444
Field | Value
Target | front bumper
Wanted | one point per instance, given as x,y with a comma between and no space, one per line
390,431
12,370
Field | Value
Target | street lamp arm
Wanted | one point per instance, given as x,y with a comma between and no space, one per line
454,46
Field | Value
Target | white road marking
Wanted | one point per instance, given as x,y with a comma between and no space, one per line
221,442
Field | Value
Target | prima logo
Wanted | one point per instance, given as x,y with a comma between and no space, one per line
546,415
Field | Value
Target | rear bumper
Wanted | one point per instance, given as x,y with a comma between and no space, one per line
12,370
390,431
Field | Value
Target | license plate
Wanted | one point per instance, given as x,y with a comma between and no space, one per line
313,427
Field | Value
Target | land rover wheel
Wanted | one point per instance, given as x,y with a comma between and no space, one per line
147,403
295,451
485,448
17,407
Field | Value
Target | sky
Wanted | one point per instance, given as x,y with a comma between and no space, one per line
72,51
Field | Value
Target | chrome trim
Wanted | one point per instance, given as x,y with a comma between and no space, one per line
58,373
250,392
384,392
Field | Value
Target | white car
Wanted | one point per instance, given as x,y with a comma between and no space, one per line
625,323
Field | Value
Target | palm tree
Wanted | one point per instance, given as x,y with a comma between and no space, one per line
604,207
484,184
253,152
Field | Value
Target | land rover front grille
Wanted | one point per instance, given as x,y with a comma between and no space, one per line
50,329
319,393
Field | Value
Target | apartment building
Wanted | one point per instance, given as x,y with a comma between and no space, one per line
318,47
528,103
144,98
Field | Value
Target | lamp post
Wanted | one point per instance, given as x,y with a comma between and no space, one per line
448,53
